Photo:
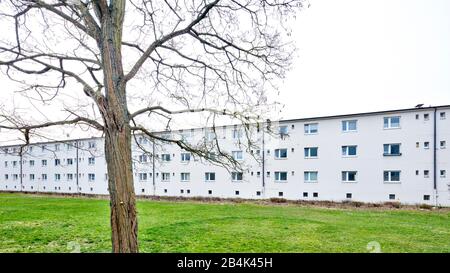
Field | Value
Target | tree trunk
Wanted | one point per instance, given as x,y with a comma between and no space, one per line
124,224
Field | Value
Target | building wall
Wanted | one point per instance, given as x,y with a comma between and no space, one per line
259,175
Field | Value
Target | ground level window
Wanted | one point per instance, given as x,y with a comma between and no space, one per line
280,194
210,192
426,197
315,194
391,196
305,194
236,192
258,193
165,190
349,195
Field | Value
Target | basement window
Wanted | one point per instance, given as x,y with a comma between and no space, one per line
315,194
305,194
209,191
165,190
349,196
258,193
280,194
426,197
391,196
236,192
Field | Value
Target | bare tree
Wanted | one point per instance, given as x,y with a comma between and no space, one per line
217,57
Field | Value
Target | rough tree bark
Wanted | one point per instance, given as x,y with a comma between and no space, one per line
117,133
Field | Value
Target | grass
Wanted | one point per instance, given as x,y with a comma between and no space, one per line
60,224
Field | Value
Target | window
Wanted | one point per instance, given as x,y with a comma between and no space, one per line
315,194
280,176
69,176
185,157
57,147
165,157
391,122
391,149
210,135
236,176
91,144
44,162
165,177
283,130
349,150
91,160
280,153
31,176
417,116
57,177
43,147
14,163
391,176
426,197
237,155
310,176
57,162
348,195
44,176
185,177
349,176
426,145
442,173
280,194
6,177
305,194
91,177
143,158
236,192
237,133
209,177
31,163
15,176
426,116
417,172
142,176
417,144
391,196
209,192
258,193
442,144
311,152
6,164
311,128
442,115
426,173
69,161
349,125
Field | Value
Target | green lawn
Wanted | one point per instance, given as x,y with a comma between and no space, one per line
55,224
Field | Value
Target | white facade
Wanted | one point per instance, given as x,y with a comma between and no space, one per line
398,155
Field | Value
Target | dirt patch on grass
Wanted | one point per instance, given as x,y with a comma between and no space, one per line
271,201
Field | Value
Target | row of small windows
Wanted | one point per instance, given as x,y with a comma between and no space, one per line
309,176
57,162
309,152
57,176
56,147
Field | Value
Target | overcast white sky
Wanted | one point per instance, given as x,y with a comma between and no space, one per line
364,55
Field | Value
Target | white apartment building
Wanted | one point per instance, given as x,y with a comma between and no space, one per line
397,155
